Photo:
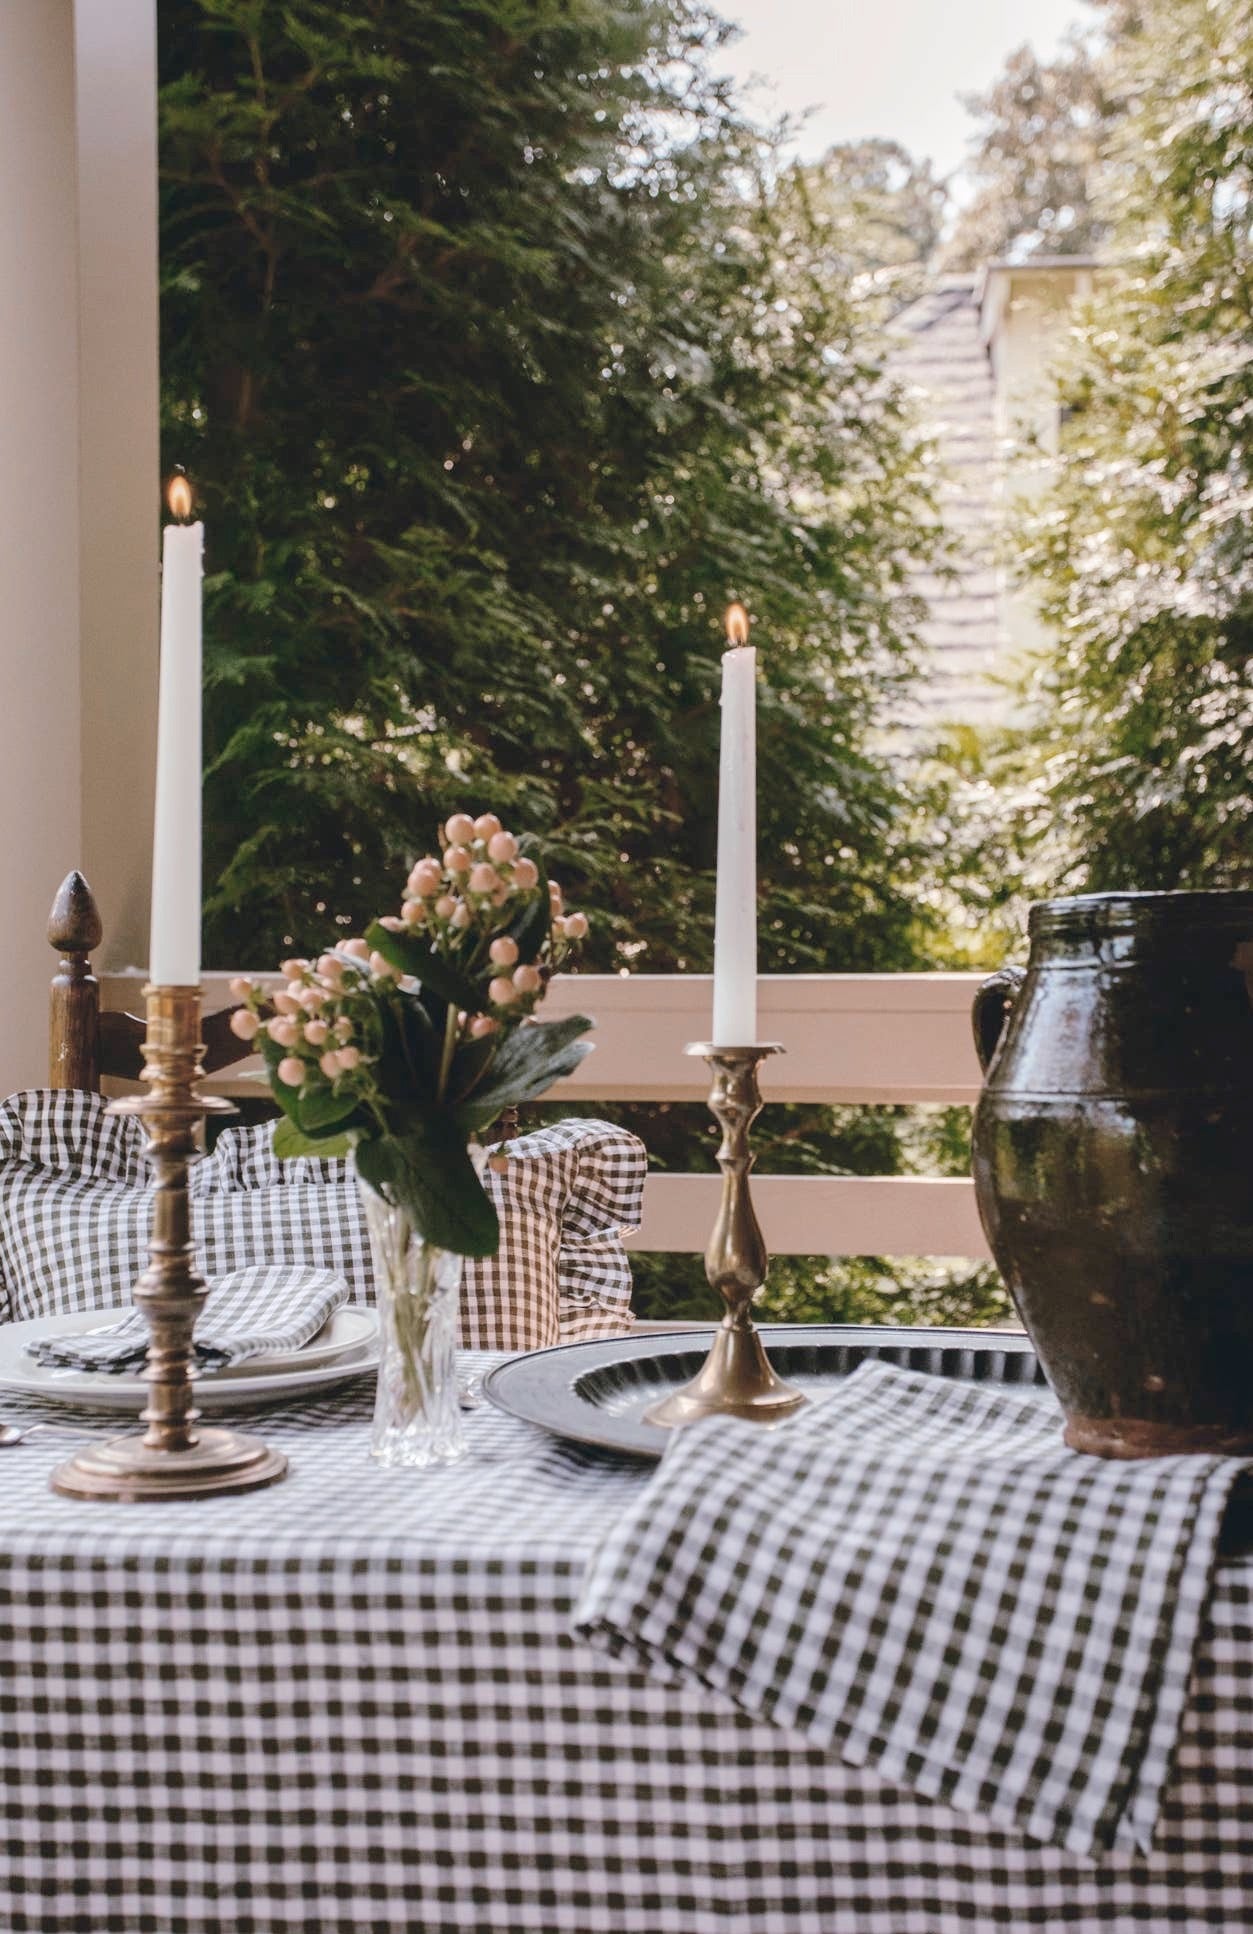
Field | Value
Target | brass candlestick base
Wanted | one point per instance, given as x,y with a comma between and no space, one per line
736,1379
171,1459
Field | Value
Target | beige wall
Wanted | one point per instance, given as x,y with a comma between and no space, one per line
119,459
40,802
78,482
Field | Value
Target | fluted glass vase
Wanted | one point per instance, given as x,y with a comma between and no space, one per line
417,1411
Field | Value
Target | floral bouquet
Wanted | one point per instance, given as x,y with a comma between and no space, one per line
402,1046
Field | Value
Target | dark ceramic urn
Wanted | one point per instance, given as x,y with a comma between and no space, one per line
1113,1161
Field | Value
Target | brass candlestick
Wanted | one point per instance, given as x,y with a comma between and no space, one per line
172,1459
736,1379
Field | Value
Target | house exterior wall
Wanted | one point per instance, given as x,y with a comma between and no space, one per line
1025,312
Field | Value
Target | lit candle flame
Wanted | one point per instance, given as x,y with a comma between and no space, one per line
737,625
179,498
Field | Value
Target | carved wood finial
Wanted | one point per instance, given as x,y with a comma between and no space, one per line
74,922
74,929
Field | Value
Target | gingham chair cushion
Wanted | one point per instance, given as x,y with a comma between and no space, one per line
76,1206
566,1196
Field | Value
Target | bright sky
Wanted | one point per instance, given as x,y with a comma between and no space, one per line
887,67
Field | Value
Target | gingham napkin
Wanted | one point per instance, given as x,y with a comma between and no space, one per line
259,1311
918,1576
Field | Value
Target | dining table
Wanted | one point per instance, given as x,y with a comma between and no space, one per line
353,1701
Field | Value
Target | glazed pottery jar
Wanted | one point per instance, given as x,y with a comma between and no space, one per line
1113,1161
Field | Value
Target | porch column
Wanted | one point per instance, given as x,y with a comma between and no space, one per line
79,485
119,460
40,718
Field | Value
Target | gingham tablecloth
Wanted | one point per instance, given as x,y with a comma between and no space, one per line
352,1702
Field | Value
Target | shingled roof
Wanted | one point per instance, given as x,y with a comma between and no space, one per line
940,354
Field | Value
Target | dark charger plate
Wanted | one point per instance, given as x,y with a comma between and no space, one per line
596,1393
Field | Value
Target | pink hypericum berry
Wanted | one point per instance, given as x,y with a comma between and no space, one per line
330,968
425,878
348,1059
241,987
576,926
282,1031
244,1024
445,906
484,878
291,1071
486,826
293,969
460,916
329,1063
412,912
458,859
392,921
526,874
358,948
502,847
342,1029
526,979
501,991
481,1024
286,1003
382,968
504,950
459,831
316,1033
556,899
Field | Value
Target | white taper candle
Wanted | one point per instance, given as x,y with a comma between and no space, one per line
735,914
174,949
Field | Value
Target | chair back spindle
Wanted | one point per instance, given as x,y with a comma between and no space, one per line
74,929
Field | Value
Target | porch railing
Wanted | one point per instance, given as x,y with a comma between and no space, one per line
849,1038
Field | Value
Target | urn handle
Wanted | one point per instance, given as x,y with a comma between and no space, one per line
992,1003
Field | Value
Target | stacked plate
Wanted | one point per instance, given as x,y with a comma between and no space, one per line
345,1347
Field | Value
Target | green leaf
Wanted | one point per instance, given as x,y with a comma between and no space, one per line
429,1174
526,1065
469,1064
419,958
322,1112
290,1143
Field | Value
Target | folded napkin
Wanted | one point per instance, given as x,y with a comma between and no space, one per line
253,1312
918,1576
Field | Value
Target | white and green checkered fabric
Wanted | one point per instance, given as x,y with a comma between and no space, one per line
351,1704
76,1208
919,1578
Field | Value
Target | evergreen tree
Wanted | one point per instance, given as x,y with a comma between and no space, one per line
1036,160
880,215
1142,552
502,353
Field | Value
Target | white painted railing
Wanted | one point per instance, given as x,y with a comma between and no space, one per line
847,1038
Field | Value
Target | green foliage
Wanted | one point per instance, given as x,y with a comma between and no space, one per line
502,352
879,214
1036,161
1142,549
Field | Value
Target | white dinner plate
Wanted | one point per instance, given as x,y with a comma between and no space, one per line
346,1347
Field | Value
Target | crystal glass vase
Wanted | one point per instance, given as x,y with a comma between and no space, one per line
417,1411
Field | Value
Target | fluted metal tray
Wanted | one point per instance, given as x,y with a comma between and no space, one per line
596,1393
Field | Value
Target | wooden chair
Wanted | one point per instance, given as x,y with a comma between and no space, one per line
83,1043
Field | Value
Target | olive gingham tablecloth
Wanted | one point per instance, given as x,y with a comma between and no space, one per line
353,1702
